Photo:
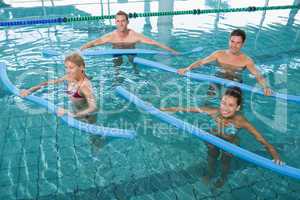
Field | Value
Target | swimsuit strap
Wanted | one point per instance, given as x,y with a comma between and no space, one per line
77,94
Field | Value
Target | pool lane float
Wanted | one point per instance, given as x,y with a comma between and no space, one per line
205,136
89,128
214,79
115,52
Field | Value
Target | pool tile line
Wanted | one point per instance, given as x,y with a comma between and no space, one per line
3,147
20,158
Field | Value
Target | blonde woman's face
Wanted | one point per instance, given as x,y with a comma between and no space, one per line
72,69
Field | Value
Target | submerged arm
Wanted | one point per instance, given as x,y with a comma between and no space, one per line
207,110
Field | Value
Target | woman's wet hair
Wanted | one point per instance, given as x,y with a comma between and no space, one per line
76,59
235,92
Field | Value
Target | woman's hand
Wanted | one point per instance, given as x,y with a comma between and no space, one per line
168,109
182,71
61,112
278,161
267,91
25,93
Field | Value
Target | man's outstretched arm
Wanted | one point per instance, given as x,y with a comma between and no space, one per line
100,41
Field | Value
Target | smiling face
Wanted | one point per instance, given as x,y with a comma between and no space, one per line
121,22
235,44
229,106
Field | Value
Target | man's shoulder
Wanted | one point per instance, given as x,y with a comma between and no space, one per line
113,33
108,35
247,59
240,120
133,32
219,52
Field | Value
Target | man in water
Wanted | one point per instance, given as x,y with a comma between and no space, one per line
124,38
232,62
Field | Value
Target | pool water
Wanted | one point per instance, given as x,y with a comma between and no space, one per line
42,158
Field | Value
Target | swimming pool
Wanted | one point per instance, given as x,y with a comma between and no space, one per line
44,159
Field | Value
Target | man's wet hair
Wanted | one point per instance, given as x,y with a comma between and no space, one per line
235,92
239,32
120,12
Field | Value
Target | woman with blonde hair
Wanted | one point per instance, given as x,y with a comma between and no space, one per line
79,89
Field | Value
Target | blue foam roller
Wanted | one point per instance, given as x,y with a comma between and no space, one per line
89,128
205,136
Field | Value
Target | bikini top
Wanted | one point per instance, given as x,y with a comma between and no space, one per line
73,91
74,94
